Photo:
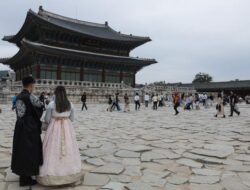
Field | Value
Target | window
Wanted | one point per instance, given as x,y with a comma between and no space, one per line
113,76
93,77
70,76
47,74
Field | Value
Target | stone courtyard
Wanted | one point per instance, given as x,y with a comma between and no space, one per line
151,150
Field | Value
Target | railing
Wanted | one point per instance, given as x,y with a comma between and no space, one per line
87,84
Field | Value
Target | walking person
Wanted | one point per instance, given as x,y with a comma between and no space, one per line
137,101
126,101
84,99
146,99
177,100
62,161
116,103
155,102
220,106
27,154
233,100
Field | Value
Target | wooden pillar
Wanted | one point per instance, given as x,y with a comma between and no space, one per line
81,73
58,72
134,79
103,75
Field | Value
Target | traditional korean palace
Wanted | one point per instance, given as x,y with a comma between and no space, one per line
55,47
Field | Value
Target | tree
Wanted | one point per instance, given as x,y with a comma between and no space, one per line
202,78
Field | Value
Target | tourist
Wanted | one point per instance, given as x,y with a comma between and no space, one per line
197,101
126,102
116,103
110,102
62,161
137,101
177,100
155,101
84,99
146,99
233,100
160,100
189,104
220,106
27,144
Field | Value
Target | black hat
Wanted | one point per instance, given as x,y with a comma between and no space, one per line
28,80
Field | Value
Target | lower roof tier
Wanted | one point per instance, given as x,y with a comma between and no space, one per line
30,48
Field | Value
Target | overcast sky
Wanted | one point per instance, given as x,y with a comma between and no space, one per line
189,36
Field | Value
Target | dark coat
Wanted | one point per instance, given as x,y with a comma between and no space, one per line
27,144
84,98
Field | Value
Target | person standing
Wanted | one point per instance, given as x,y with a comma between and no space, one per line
84,99
62,161
220,106
126,101
233,100
137,101
146,99
27,154
155,102
177,100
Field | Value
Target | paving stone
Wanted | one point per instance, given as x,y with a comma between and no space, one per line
177,179
138,186
91,179
245,178
136,148
233,183
114,186
190,163
154,180
127,154
131,161
109,169
204,179
205,187
11,177
133,171
95,161
149,156
206,172
121,178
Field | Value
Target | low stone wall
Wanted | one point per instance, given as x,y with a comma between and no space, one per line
97,92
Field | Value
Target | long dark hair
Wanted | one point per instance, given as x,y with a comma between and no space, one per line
61,100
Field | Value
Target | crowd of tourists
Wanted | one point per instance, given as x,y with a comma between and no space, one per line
176,100
56,160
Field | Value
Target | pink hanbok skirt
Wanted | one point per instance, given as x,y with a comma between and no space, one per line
62,162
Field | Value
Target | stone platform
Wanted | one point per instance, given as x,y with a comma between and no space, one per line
151,150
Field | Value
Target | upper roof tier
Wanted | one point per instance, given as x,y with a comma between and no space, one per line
88,29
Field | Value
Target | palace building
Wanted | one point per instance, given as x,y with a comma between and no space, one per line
60,48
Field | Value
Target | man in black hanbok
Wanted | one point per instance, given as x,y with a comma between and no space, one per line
27,144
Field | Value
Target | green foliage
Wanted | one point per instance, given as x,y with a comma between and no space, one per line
202,78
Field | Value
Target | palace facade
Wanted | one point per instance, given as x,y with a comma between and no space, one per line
60,48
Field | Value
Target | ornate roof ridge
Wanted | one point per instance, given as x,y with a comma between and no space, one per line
45,13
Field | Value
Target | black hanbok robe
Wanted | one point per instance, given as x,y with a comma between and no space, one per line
27,144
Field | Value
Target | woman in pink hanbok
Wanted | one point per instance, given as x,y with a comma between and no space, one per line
62,162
